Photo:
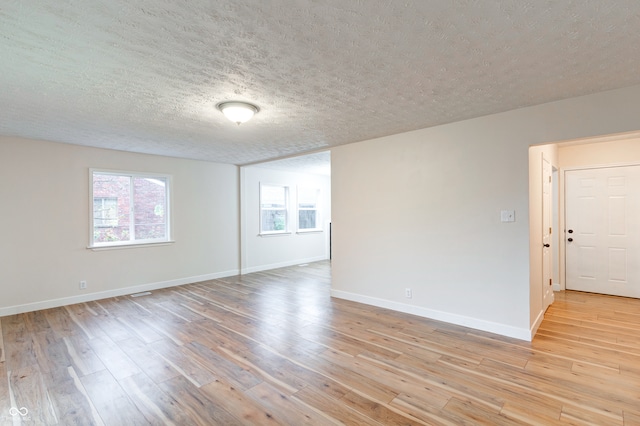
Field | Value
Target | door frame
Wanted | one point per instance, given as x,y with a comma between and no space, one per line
551,251
561,235
560,163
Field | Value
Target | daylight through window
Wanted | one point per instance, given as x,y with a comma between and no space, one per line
273,209
129,208
308,209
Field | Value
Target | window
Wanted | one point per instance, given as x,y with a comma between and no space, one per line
129,208
308,209
105,212
274,217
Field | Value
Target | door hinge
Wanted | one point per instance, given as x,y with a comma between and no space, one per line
550,281
549,179
549,230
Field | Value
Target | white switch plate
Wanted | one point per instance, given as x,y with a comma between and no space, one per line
508,216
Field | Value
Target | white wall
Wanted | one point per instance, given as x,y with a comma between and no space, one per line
44,188
622,150
422,210
273,251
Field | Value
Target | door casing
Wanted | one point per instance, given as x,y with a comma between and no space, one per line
602,209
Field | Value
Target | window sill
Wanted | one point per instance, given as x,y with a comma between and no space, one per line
129,245
274,234
309,231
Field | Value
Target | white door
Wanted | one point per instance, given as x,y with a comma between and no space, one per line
547,261
601,236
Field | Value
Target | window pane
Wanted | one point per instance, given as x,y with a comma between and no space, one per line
273,208
111,195
308,208
105,212
150,205
273,196
307,219
274,220
308,197
129,207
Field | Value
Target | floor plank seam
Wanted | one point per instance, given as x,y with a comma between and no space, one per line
275,347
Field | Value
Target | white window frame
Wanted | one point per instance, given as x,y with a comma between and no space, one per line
287,210
132,242
316,209
108,225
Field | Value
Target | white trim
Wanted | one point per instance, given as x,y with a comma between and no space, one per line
54,303
282,264
536,324
563,207
600,166
287,208
125,245
274,233
299,189
492,327
145,175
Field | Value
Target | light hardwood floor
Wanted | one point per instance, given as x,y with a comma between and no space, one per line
274,348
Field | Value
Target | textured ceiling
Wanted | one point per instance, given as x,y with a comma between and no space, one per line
145,75
318,164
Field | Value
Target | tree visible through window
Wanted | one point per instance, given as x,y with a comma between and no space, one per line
129,208
273,209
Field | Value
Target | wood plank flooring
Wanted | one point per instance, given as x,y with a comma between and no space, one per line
273,348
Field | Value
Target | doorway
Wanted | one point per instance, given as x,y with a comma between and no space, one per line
614,150
589,154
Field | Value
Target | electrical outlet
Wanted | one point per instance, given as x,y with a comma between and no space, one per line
407,293
83,285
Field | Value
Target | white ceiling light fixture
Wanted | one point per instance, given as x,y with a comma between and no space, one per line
238,112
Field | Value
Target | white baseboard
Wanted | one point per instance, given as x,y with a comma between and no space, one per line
556,287
536,324
88,297
492,327
281,264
